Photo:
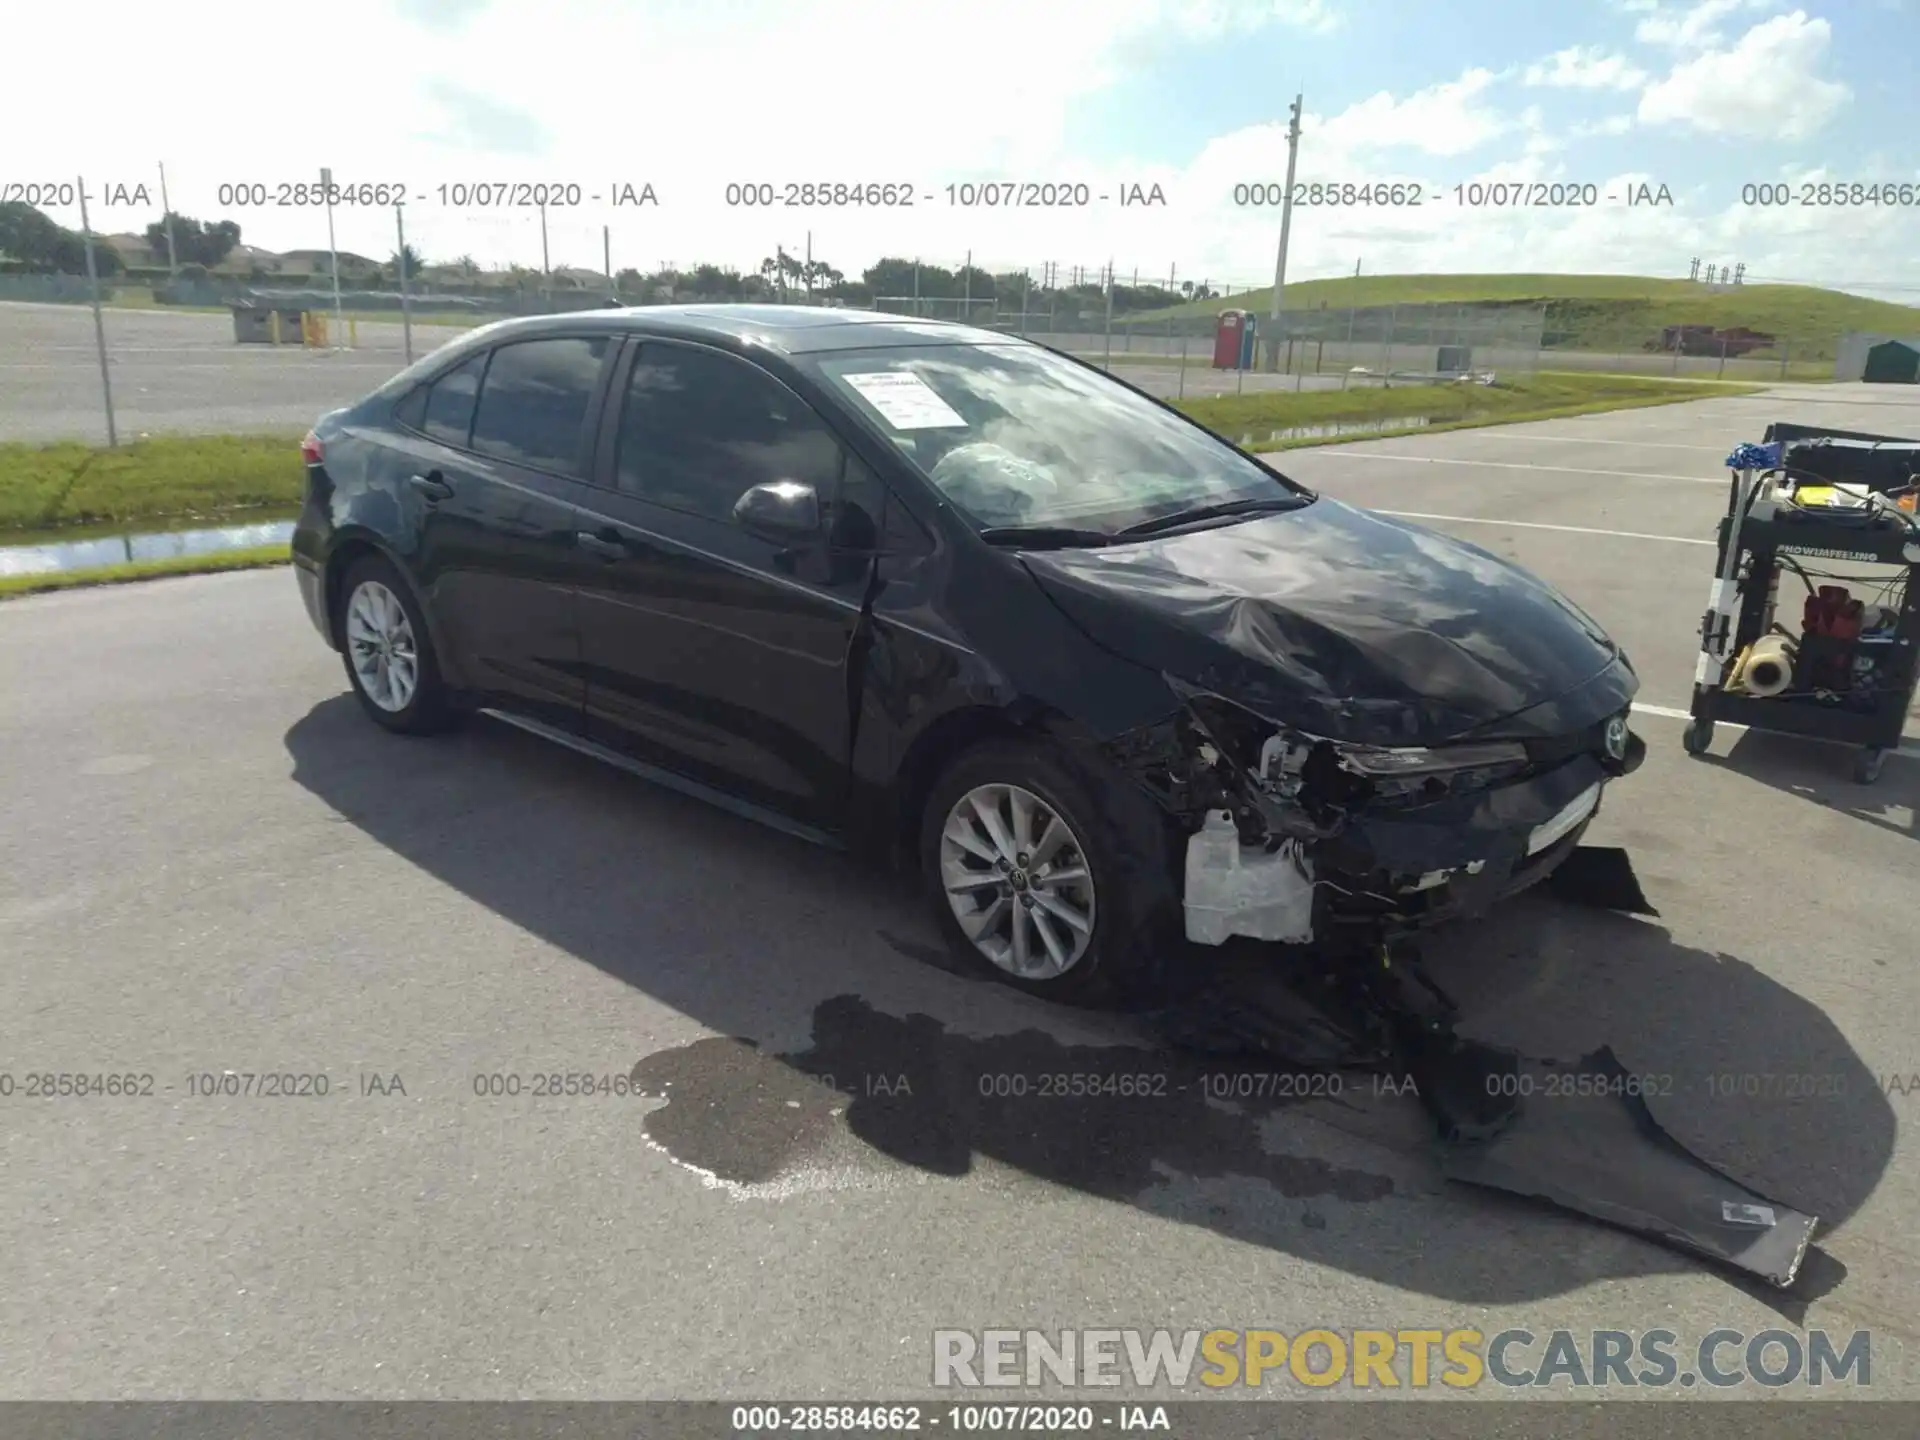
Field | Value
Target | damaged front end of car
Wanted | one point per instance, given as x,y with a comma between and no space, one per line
1295,837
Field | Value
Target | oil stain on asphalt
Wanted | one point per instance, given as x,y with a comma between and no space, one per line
1109,1120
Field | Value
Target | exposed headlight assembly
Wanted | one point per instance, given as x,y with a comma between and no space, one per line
1383,764
1345,773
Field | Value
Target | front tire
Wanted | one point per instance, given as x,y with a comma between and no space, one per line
389,652
1049,879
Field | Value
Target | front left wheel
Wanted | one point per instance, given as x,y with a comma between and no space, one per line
389,653
1051,879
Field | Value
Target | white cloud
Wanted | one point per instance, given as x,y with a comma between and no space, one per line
1585,67
1765,86
1607,125
1450,118
1209,18
694,94
1689,26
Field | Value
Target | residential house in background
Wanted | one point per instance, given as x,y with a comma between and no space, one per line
134,251
320,262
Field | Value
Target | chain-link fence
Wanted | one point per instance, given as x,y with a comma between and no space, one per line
262,341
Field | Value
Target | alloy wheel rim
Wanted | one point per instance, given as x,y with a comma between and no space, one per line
380,642
1017,880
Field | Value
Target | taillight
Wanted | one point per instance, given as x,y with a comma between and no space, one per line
310,450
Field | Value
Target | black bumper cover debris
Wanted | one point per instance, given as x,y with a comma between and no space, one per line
1577,1136
1600,876
1595,1148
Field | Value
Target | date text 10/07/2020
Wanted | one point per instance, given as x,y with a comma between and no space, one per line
1470,195
450,194
962,195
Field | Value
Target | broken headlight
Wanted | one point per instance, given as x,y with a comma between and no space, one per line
1398,776
1328,778
1381,764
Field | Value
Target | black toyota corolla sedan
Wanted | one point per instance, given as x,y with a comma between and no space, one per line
958,600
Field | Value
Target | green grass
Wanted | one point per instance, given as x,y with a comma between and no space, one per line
249,559
1545,396
1600,312
178,479
173,481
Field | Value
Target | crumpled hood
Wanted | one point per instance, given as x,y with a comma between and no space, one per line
1342,622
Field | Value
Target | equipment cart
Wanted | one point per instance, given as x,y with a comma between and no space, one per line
1842,666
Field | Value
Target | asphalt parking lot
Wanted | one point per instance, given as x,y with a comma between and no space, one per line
183,373
213,862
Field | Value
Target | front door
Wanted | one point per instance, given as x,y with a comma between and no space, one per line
708,650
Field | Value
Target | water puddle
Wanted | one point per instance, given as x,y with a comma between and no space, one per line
51,556
1334,429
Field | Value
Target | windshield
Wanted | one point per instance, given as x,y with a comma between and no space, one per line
1017,436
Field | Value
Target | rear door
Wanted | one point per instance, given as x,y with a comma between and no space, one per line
711,651
510,432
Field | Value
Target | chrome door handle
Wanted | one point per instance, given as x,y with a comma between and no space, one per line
600,545
431,486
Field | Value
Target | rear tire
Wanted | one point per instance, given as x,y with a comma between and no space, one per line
1095,848
389,652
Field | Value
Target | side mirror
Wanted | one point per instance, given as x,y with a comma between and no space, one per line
785,512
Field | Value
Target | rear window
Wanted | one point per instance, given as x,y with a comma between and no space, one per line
449,409
534,403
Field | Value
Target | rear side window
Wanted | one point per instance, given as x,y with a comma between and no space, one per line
700,428
449,410
412,409
533,406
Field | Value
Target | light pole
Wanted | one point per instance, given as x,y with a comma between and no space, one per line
99,326
166,207
1286,225
333,259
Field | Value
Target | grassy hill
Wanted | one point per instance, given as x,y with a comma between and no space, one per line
1604,312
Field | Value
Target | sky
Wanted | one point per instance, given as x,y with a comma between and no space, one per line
1706,99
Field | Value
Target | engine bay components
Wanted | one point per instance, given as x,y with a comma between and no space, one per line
1291,835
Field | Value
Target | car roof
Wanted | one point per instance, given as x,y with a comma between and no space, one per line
789,329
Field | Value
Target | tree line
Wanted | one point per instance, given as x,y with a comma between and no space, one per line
33,243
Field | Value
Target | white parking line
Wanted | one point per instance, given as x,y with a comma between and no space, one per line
1540,525
1910,749
1494,432
1343,453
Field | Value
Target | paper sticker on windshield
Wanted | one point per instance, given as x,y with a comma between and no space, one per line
906,401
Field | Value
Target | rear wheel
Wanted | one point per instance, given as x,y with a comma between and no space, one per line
389,654
1048,880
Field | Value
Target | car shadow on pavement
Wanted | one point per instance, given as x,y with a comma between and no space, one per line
842,1041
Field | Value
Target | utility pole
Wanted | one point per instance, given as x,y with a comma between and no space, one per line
1286,225
333,260
166,209
806,275
99,326
406,305
1353,303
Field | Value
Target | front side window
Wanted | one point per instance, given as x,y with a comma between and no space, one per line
1017,436
533,406
701,428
